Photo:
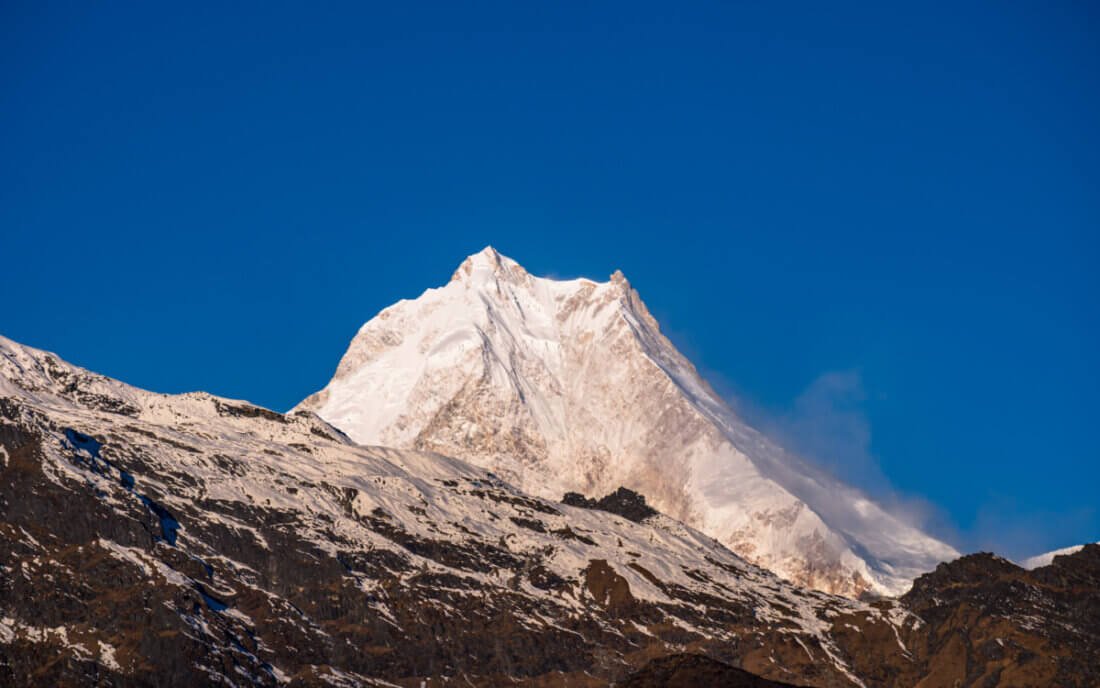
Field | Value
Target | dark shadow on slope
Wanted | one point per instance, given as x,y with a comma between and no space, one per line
695,671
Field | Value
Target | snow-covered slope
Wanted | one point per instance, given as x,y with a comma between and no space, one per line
262,547
150,539
570,386
1046,558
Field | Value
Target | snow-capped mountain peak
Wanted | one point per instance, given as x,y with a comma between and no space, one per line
569,385
487,265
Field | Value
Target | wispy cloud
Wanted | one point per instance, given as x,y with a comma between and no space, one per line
827,424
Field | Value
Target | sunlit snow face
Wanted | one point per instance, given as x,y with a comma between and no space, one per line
570,386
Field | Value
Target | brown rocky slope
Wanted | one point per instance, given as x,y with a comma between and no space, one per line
189,540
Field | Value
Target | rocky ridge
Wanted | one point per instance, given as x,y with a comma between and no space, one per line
190,540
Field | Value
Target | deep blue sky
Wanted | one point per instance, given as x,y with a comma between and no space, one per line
850,217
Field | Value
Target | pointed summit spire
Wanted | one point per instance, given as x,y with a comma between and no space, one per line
488,255
488,262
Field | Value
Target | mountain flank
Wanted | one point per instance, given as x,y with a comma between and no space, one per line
181,540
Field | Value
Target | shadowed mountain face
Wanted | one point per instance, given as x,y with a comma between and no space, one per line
995,623
189,540
694,671
569,386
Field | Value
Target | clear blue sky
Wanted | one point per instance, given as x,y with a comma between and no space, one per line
903,199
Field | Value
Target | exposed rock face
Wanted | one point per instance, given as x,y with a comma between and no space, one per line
189,540
626,503
996,623
569,386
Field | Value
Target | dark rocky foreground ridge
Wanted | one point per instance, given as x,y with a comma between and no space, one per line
692,671
189,540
